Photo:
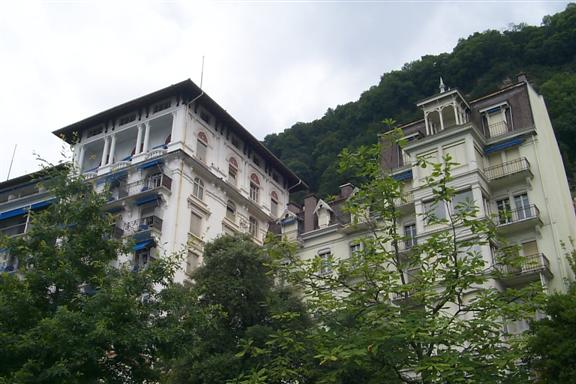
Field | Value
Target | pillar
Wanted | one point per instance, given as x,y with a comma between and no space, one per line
80,160
146,137
426,123
441,120
104,160
112,150
138,140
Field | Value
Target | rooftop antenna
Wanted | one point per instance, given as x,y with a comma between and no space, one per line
202,73
11,161
442,86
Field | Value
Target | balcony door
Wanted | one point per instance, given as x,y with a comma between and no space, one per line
522,205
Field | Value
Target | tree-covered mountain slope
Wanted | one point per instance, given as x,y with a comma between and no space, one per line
478,65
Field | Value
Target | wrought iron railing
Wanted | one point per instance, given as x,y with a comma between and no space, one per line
143,224
513,216
530,264
498,129
507,168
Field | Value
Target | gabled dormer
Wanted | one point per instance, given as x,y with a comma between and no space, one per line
324,213
446,109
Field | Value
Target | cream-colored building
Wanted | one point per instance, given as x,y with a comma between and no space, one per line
509,165
180,169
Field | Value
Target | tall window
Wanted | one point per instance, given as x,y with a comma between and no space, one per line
201,146
195,224
274,204
504,211
522,205
192,261
462,202
231,211
409,236
141,259
253,227
254,188
198,188
435,211
232,171
325,261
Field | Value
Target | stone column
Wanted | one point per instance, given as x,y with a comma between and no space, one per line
146,137
138,140
112,150
426,123
80,159
441,120
104,160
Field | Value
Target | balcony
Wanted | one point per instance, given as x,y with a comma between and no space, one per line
509,172
142,225
518,219
148,184
500,128
529,269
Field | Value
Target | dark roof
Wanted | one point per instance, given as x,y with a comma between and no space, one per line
29,178
188,91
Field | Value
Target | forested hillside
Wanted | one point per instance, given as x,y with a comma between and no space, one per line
478,65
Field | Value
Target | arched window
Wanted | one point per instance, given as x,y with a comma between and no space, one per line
231,211
254,187
274,204
201,146
198,188
253,227
232,171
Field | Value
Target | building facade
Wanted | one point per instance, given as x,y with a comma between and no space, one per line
179,171
509,166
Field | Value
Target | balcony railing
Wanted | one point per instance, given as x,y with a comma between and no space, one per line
530,264
147,184
498,129
143,224
507,168
517,215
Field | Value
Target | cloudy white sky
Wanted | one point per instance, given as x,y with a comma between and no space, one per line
269,63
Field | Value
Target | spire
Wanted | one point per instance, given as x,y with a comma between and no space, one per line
442,86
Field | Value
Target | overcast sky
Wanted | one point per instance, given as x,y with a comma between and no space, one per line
268,63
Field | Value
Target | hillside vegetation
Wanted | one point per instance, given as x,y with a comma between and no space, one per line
478,65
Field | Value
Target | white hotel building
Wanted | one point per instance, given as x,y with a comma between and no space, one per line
181,172
509,165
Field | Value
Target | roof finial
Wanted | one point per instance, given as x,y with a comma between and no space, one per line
442,86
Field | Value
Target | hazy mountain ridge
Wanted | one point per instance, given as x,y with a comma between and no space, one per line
478,65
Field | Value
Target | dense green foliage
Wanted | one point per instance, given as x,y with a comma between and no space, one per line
477,65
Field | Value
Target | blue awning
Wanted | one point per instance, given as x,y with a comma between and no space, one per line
13,213
148,199
42,204
150,164
406,175
143,244
115,209
503,145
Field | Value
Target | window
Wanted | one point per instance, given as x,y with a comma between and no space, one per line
198,189
231,211
232,171
254,188
195,224
325,261
274,204
435,211
504,211
155,180
253,227
161,106
202,146
522,205
141,259
410,239
127,119
463,202
192,261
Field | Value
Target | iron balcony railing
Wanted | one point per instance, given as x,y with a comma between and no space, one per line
530,264
143,224
498,129
506,217
150,183
507,168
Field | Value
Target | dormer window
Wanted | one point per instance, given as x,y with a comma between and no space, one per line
496,120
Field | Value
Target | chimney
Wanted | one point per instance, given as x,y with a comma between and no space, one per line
522,78
310,202
346,190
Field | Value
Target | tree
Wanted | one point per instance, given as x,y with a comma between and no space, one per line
400,312
236,284
69,314
552,342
